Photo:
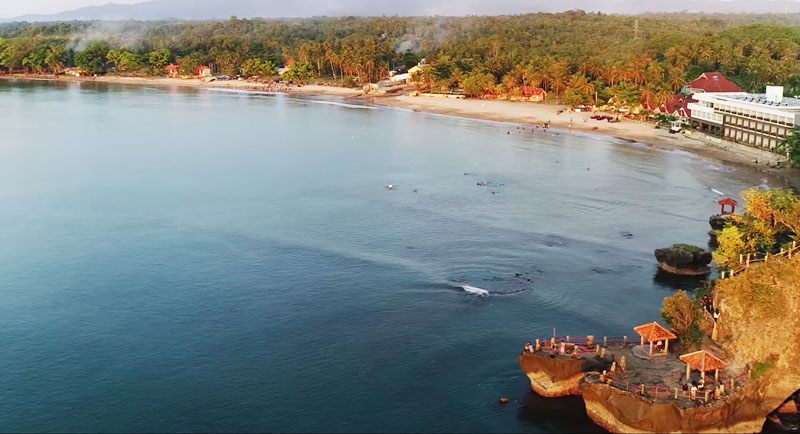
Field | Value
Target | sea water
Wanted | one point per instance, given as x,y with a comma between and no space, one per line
191,260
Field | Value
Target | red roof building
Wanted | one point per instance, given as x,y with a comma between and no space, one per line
726,201
533,93
202,71
711,82
171,70
678,106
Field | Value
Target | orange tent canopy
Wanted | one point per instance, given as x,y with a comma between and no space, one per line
654,332
703,361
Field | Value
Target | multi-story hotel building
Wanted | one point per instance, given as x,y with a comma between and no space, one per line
760,120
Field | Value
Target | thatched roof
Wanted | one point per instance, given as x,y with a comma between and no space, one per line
654,332
703,361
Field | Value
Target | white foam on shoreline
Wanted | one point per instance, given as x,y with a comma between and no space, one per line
309,100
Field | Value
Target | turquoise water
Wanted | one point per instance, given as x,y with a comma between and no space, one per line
179,260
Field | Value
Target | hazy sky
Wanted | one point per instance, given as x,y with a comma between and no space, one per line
13,8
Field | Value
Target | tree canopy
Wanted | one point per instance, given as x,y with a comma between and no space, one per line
771,221
575,56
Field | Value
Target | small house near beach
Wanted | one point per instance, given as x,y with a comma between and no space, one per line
532,93
202,71
171,71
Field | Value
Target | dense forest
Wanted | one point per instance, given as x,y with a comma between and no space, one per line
575,56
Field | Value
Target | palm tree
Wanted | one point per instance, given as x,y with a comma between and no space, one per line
675,79
533,77
424,79
662,96
580,84
655,73
648,97
558,83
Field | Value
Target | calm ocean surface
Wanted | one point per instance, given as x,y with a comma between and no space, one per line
177,260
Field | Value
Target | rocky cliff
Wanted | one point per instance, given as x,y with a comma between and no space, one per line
620,411
759,327
552,377
759,332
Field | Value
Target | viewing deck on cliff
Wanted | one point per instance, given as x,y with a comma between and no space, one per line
625,366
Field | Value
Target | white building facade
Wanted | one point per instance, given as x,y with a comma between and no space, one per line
760,120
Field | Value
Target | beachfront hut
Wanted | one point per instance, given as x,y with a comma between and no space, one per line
727,201
654,332
202,71
171,70
534,94
702,361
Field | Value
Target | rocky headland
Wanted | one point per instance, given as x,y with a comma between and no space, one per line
758,336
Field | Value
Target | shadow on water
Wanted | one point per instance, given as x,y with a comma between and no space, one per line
672,281
567,414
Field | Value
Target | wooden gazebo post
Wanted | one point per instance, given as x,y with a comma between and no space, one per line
654,332
704,362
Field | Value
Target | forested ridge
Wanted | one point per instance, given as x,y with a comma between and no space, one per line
575,56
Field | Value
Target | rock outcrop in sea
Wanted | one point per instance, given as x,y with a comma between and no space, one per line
684,260
717,223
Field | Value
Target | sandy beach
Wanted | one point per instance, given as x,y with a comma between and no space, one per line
524,113
197,83
535,114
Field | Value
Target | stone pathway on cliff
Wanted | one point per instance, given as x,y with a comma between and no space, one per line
663,370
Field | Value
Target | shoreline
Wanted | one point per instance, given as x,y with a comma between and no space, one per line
518,113
534,114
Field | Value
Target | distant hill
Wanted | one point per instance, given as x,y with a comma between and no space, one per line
215,9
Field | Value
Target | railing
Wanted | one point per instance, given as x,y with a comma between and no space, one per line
745,261
577,345
581,340
654,392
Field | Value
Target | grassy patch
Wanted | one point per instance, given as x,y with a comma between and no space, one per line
759,369
764,299
689,248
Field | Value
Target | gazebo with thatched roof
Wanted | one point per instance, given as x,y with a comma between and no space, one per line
654,332
704,362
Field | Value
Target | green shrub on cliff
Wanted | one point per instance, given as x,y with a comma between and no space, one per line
759,369
730,244
770,218
683,315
